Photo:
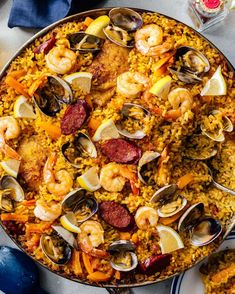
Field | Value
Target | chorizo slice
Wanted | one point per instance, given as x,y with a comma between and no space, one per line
155,263
116,215
121,151
74,117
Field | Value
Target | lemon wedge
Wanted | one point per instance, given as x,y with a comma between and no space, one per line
89,180
107,130
162,87
68,221
216,85
11,166
169,239
23,109
96,27
80,80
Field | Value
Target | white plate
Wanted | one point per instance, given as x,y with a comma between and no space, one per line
190,281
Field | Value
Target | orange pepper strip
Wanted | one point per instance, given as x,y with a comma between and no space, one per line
125,235
37,228
75,263
53,131
19,88
160,71
169,220
36,84
87,263
14,217
88,20
89,101
17,73
94,123
117,275
100,276
185,180
28,203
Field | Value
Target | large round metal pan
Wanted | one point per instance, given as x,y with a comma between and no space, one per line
95,13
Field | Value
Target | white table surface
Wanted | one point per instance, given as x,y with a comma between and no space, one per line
222,35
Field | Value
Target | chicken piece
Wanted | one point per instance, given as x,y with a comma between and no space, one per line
34,156
106,67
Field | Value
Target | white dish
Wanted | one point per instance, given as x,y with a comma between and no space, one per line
190,281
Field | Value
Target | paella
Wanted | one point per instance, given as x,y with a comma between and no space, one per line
117,148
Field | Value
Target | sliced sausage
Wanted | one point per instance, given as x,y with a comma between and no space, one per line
74,117
155,263
121,151
116,215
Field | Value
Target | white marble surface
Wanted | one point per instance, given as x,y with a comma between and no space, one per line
222,35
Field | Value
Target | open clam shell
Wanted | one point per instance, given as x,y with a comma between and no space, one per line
9,182
83,206
53,93
81,146
6,200
135,112
164,194
83,42
171,208
147,157
119,36
55,248
205,231
191,217
192,64
123,258
66,235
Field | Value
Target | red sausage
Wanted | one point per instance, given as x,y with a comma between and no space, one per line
121,151
116,215
155,263
74,117
46,46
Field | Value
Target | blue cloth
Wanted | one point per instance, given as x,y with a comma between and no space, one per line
37,13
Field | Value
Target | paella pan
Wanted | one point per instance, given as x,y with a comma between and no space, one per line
117,147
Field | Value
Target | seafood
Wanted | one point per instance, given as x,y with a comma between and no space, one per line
181,98
131,84
114,176
146,216
9,129
61,60
91,236
58,183
47,211
149,41
84,42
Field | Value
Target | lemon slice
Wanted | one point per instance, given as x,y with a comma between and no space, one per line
89,180
107,130
96,27
11,166
169,239
162,87
216,85
80,80
68,221
23,109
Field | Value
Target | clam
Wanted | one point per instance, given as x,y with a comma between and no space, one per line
147,157
55,248
200,147
124,21
81,146
191,65
122,256
203,229
171,202
83,42
6,200
54,93
66,235
217,134
9,182
134,112
83,206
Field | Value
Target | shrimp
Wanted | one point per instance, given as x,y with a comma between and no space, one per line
9,129
180,99
146,216
47,211
162,173
113,177
61,59
91,236
149,41
62,176
130,84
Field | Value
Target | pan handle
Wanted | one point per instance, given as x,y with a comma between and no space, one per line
119,290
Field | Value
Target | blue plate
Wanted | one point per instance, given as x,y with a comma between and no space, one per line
190,281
